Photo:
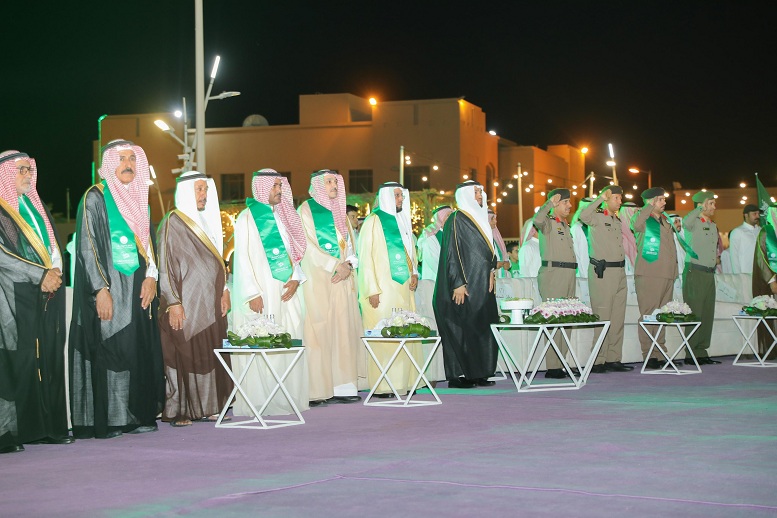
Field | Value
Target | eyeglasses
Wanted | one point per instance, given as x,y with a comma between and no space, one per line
23,170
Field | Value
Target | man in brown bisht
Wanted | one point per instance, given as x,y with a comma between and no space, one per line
32,308
333,323
765,275
556,278
607,275
656,264
194,296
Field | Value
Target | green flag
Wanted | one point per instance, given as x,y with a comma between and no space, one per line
764,200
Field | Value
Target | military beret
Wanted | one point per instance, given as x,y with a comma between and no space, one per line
702,196
615,189
651,193
629,204
750,208
562,191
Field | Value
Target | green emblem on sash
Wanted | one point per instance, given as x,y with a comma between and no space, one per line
123,248
397,255
652,243
34,219
277,256
326,233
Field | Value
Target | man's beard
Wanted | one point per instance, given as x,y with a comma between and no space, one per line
399,209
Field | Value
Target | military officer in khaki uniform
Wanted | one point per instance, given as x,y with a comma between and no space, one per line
607,275
556,277
656,264
701,233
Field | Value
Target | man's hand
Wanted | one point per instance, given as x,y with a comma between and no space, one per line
291,289
342,272
773,287
226,304
555,200
51,281
104,303
177,317
147,292
459,294
503,264
374,301
492,282
606,195
413,282
256,305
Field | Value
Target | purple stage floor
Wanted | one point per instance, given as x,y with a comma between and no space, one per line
626,444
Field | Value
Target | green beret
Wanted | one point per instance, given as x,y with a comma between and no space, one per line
702,196
562,191
651,193
615,189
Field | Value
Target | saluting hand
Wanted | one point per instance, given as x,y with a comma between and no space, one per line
555,200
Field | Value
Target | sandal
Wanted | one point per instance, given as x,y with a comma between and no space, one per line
215,417
180,423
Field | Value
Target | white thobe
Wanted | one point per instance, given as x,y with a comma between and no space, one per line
742,242
529,259
253,278
580,244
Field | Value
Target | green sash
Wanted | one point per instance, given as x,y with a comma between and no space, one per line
438,235
277,256
771,248
651,244
397,255
326,234
123,247
35,220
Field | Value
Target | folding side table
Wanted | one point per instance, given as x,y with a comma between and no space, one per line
257,421
760,361
400,344
670,367
525,381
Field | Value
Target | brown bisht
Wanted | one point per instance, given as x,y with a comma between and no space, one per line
191,273
32,338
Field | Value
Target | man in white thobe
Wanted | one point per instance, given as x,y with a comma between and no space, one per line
742,241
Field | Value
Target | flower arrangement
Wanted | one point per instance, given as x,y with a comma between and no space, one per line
561,311
676,311
762,306
260,333
403,323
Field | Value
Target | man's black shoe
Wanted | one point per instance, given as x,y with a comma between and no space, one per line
557,374
343,399
144,429
599,369
461,383
110,435
384,396
655,363
51,440
618,367
483,382
317,402
14,448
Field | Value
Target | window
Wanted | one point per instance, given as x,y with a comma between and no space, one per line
233,187
359,181
414,177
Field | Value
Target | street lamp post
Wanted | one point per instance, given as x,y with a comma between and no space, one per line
649,172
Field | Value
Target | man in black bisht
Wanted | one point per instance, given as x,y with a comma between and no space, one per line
116,377
32,308
464,299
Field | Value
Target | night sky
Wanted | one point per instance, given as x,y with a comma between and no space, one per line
685,88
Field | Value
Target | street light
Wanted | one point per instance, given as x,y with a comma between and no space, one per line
611,163
649,172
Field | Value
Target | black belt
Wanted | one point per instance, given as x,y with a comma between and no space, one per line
600,265
557,264
708,269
